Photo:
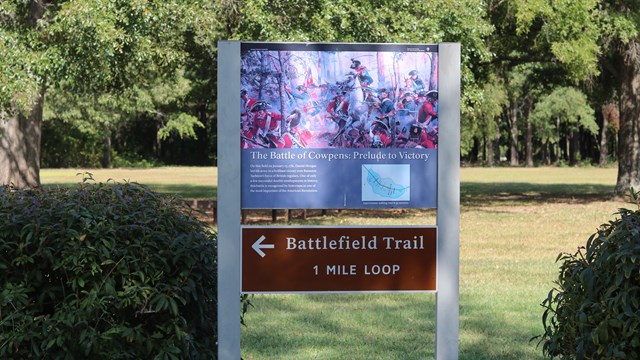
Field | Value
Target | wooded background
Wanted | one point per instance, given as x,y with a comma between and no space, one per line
108,83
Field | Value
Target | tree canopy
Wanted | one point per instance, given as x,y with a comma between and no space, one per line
109,62
93,51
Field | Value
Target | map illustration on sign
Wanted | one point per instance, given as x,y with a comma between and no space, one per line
384,182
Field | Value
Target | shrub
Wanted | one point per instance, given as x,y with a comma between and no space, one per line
105,271
594,312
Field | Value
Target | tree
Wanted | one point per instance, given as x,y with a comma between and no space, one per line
629,133
610,123
21,94
589,36
538,45
495,99
90,47
160,101
564,111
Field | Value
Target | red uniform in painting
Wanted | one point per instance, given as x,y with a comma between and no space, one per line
428,118
265,125
426,112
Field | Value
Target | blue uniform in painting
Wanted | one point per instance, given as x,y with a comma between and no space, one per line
414,82
362,73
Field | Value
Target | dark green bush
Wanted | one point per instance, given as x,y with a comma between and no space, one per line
594,312
105,271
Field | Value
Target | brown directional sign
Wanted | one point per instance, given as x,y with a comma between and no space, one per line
338,259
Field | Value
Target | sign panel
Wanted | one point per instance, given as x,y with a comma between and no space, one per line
338,259
338,125
306,141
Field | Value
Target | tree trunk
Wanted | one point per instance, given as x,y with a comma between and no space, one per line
489,151
558,148
604,146
281,89
572,147
474,154
567,151
496,147
513,130
106,151
528,145
20,135
553,155
36,11
493,146
545,153
157,143
20,148
628,136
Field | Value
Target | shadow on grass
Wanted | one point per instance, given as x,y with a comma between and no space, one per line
370,326
472,194
489,333
376,326
482,194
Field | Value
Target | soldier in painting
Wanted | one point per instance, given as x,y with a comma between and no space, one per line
361,73
265,125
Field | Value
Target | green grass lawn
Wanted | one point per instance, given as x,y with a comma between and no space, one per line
188,182
514,223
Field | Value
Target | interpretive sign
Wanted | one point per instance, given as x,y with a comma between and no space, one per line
334,126
338,125
338,259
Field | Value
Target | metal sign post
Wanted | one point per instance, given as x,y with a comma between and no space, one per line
228,200
448,211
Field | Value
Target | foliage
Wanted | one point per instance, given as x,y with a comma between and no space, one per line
567,107
491,107
20,75
135,141
160,100
548,44
164,100
19,83
94,114
105,271
98,58
594,313
106,63
114,44
133,160
561,31
68,146
160,103
181,124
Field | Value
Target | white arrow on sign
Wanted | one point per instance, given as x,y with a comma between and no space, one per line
258,246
